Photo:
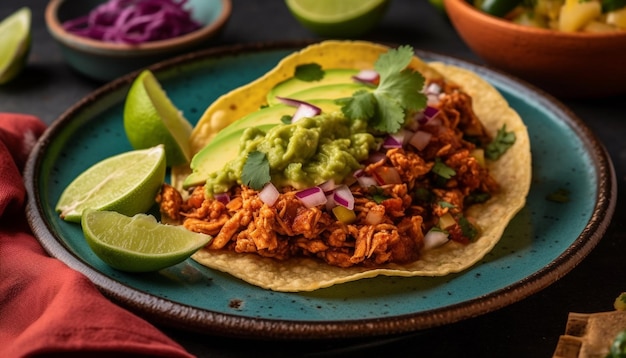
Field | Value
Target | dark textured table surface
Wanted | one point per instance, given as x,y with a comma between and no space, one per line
527,328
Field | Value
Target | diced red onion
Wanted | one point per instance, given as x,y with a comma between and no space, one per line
269,194
374,217
134,21
420,139
312,197
223,198
392,142
432,99
330,201
364,180
433,88
367,77
343,196
328,186
305,109
387,175
430,112
435,238
376,157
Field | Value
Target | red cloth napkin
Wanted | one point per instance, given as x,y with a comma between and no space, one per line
46,308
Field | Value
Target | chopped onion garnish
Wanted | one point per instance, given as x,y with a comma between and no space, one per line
376,157
430,112
374,217
223,198
420,139
432,99
343,196
366,181
312,197
392,142
134,21
397,140
367,77
433,88
269,194
435,238
328,186
387,175
305,109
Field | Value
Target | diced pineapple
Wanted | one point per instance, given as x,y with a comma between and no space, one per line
617,18
548,8
598,26
446,221
479,155
576,15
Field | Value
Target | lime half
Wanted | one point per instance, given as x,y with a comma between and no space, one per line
127,183
15,40
138,243
150,119
338,18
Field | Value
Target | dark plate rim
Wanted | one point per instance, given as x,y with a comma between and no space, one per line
184,317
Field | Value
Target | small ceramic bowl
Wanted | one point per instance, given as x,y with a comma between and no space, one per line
105,61
573,65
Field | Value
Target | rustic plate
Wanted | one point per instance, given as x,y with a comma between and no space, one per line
544,241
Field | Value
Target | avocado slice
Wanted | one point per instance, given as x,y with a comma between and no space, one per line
215,155
292,85
273,115
225,145
336,91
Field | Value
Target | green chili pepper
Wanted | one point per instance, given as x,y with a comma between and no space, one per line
497,7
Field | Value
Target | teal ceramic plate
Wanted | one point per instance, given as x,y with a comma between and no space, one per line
544,241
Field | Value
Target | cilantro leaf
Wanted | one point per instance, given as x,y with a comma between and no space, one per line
500,144
445,204
393,61
398,91
256,170
468,229
309,72
441,169
361,105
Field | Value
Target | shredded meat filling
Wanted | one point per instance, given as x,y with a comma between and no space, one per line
391,219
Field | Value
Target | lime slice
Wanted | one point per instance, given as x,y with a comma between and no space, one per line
127,183
338,18
15,42
150,119
138,243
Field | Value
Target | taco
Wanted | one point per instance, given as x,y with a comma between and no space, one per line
354,193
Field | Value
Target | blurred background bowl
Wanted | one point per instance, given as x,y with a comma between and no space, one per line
105,61
573,65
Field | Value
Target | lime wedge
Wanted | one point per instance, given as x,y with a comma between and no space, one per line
338,18
127,183
15,42
150,119
138,243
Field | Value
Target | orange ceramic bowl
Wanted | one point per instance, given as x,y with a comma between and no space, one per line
573,65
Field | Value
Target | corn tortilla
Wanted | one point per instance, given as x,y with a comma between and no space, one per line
512,171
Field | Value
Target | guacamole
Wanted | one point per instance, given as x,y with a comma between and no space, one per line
302,154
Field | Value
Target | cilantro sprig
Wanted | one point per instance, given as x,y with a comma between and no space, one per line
500,144
309,72
256,170
398,92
